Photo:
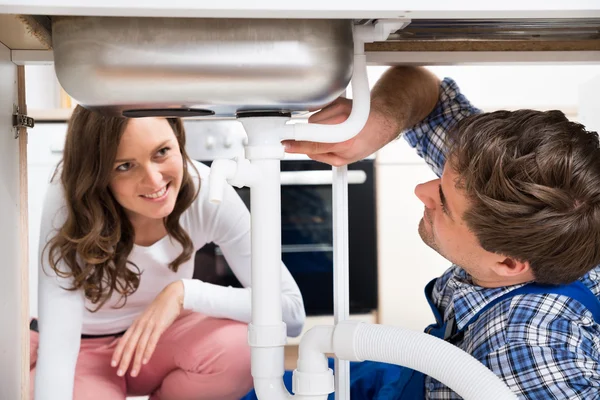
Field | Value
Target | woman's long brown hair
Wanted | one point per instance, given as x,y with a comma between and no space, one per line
97,236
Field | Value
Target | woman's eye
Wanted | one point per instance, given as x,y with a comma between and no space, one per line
163,152
124,167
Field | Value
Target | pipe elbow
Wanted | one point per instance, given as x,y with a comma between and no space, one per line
313,378
271,389
220,172
245,174
237,173
314,345
356,120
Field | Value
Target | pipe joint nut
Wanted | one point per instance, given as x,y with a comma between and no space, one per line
267,335
313,384
276,152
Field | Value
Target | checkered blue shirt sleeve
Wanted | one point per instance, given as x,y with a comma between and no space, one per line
428,137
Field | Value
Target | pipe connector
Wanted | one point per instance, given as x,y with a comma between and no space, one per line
267,335
311,352
239,173
376,32
313,384
360,90
246,174
344,340
313,377
220,172
273,152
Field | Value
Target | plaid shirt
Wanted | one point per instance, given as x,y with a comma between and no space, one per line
544,346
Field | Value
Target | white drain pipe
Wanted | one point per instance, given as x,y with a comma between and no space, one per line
341,268
267,332
349,341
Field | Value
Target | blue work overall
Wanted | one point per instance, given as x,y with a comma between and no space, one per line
379,381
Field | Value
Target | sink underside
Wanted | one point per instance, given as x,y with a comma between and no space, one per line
219,66
223,66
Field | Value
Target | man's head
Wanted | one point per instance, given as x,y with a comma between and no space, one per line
519,199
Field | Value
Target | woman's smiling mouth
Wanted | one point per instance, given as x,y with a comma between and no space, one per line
158,195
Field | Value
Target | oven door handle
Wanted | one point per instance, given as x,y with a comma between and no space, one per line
325,177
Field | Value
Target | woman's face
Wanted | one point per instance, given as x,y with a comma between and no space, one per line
147,174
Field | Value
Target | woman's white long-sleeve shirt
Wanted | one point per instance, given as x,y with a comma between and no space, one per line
64,315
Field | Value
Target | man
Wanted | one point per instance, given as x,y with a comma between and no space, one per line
516,210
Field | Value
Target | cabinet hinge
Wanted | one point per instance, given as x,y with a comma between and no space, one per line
21,121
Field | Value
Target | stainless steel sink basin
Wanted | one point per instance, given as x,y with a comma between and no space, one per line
141,66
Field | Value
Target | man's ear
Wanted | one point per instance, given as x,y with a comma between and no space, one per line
509,267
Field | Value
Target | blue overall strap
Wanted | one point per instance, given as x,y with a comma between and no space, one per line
576,291
439,328
428,294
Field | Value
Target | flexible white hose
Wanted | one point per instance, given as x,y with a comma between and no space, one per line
422,352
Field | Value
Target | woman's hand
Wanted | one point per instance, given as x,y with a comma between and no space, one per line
142,336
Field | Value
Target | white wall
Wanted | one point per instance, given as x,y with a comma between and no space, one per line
589,104
42,89
406,264
510,87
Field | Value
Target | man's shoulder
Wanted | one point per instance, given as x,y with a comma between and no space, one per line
542,318
553,309
521,337
535,325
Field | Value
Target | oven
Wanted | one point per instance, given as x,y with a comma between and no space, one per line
306,222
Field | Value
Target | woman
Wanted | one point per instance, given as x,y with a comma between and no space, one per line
118,312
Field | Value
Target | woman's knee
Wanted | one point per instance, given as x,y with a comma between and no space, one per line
99,388
216,364
233,342
225,348
234,358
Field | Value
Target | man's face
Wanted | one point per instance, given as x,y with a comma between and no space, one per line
443,228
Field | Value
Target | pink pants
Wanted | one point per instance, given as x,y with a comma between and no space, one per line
196,358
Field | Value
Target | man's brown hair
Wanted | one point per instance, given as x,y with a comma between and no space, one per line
532,180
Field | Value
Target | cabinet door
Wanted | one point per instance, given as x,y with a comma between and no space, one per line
406,264
14,361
